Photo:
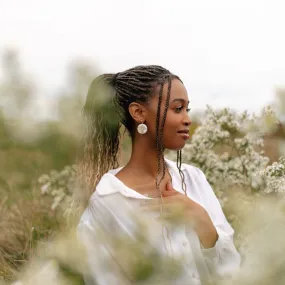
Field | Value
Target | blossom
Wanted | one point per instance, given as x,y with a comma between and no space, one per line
228,148
60,185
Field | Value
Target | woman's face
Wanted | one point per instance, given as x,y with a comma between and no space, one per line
177,118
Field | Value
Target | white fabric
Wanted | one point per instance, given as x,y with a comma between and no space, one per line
113,198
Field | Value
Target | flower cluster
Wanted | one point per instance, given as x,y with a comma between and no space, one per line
275,177
228,148
60,185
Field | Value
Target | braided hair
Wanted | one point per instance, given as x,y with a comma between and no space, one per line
106,110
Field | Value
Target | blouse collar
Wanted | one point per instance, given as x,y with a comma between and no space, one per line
110,184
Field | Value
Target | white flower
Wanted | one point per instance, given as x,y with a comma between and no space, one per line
45,188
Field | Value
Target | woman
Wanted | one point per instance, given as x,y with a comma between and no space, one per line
152,104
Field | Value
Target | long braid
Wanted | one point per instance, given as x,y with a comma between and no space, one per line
163,123
102,136
179,164
161,151
158,141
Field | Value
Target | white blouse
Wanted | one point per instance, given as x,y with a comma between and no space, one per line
113,201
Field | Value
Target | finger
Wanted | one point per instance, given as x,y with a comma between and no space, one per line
169,186
169,190
168,193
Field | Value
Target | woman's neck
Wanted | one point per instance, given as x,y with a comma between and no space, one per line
144,159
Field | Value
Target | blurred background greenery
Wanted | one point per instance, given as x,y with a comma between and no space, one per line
30,146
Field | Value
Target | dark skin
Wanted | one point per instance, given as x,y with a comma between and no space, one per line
141,170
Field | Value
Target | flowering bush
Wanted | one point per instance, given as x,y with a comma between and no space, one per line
228,148
60,185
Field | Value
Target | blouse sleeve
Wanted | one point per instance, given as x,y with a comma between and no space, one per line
223,259
95,225
96,272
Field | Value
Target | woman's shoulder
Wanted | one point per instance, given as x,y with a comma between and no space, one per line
197,185
192,170
195,171
102,206
108,184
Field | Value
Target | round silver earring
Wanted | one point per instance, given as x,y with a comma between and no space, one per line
142,128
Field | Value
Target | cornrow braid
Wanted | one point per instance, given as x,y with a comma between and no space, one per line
158,143
160,129
107,108
163,122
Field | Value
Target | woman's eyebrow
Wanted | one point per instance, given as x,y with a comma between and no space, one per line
181,100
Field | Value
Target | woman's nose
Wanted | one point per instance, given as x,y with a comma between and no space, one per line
187,122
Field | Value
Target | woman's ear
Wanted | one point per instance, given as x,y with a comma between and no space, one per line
138,112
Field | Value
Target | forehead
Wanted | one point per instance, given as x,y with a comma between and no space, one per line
178,91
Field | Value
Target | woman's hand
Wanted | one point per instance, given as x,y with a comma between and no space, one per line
192,211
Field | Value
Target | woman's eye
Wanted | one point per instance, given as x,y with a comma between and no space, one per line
178,109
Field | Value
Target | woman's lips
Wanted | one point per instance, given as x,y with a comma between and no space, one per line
184,135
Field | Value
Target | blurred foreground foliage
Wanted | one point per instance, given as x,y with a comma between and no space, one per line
31,145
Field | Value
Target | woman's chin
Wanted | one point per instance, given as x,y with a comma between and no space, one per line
176,147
